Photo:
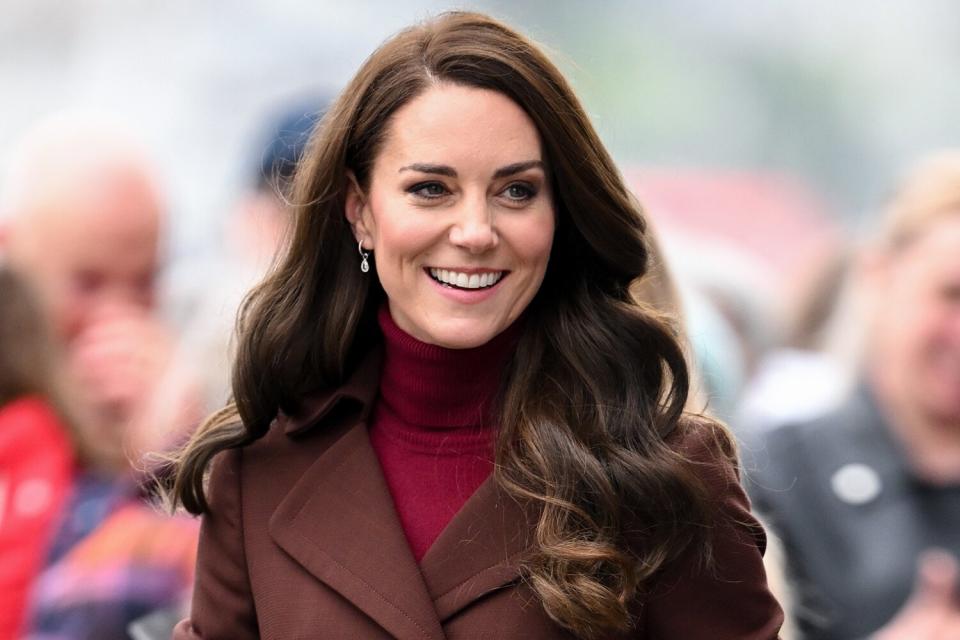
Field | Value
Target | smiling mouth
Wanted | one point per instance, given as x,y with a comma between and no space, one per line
466,281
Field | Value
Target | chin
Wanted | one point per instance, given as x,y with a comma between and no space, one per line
462,336
944,408
950,413
461,341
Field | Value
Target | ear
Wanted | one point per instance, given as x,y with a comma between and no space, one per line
358,213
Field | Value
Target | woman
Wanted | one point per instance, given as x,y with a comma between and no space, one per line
470,429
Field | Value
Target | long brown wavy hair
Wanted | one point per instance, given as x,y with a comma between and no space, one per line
598,380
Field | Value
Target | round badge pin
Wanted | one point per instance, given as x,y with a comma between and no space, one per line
856,483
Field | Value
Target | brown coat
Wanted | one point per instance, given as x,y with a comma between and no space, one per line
302,541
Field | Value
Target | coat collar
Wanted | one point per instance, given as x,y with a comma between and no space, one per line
351,402
480,550
339,522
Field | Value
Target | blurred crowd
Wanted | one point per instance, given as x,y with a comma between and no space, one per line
108,358
833,354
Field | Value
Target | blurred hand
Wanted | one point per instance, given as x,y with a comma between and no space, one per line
129,391
118,359
933,611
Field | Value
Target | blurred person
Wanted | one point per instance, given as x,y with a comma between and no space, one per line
867,497
263,210
718,352
36,455
83,221
725,291
451,417
815,355
203,296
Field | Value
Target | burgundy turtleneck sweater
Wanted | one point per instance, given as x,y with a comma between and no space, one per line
431,426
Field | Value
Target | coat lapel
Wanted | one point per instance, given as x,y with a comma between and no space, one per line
340,523
479,551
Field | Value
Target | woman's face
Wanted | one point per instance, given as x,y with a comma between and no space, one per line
458,215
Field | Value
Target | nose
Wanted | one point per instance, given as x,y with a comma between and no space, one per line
474,229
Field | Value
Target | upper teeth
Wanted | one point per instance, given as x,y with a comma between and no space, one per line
467,280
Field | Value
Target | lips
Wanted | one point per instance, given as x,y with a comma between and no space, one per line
464,280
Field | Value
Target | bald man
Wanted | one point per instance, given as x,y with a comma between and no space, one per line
83,221
82,218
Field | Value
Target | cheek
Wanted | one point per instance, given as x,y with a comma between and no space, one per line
533,241
393,229
395,245
939,327
917,336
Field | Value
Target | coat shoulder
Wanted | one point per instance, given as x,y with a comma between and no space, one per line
702,440
730,590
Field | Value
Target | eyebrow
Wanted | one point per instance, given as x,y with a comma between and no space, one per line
516,167
440,169
450,172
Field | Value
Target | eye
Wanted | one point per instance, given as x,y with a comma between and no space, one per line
143,286
951,293
519,192
87,281
428,190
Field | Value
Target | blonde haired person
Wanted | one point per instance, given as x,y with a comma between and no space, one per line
867,498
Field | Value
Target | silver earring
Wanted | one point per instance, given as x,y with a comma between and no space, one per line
364,265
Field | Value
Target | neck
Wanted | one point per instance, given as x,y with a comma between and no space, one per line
438,388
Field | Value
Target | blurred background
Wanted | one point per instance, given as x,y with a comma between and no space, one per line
832,96
765,139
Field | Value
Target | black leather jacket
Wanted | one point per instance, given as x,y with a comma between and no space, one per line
851,514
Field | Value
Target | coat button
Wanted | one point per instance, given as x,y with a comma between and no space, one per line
856,483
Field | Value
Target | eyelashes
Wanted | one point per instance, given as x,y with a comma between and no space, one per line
518,192
428,190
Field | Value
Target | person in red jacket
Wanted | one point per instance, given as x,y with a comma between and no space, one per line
36,459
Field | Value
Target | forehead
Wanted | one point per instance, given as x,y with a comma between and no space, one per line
112,221
937,250
467,126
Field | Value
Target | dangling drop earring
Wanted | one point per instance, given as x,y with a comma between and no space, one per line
364,265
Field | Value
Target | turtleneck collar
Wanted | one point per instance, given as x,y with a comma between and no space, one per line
434,387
